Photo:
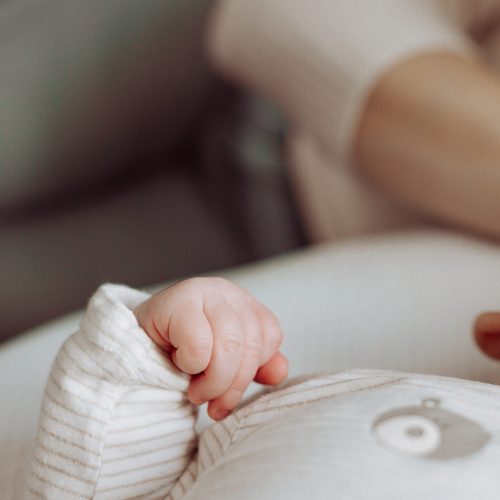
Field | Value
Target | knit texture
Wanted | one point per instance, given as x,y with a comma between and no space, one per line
115,421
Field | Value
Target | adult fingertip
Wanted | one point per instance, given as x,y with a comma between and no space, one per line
488,322
487,334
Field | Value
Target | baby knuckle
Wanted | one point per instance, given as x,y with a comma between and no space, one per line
215,389
278,336
195,282
196,360
231,342
219,280
274,323
232,397
199,345
209,282
274,334
253,348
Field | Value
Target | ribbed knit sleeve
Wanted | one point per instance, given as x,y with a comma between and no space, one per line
115,421
319,59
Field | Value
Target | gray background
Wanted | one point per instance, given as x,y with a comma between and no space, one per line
123,158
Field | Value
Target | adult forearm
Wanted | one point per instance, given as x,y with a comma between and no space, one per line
430,136
318,60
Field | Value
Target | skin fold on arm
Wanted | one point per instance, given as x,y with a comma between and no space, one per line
430,137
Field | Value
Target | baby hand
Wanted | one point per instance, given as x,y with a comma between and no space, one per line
220,334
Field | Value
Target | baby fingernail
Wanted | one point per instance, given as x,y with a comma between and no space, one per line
196,400
221,414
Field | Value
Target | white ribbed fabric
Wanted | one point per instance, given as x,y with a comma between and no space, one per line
115,421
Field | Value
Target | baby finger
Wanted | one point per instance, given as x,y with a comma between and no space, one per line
228,341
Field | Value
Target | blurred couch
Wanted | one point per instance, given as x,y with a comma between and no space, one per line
123,158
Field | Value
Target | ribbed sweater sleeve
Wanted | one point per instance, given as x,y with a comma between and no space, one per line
319,59
115,421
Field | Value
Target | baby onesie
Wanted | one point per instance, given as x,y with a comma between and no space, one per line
115,422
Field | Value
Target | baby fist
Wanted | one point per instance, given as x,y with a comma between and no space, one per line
220,334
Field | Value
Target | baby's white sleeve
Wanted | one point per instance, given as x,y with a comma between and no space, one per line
115,421
319,60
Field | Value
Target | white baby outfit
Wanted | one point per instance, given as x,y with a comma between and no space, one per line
114,411
115,423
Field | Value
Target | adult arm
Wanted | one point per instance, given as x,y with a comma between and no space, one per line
430,136
393,88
